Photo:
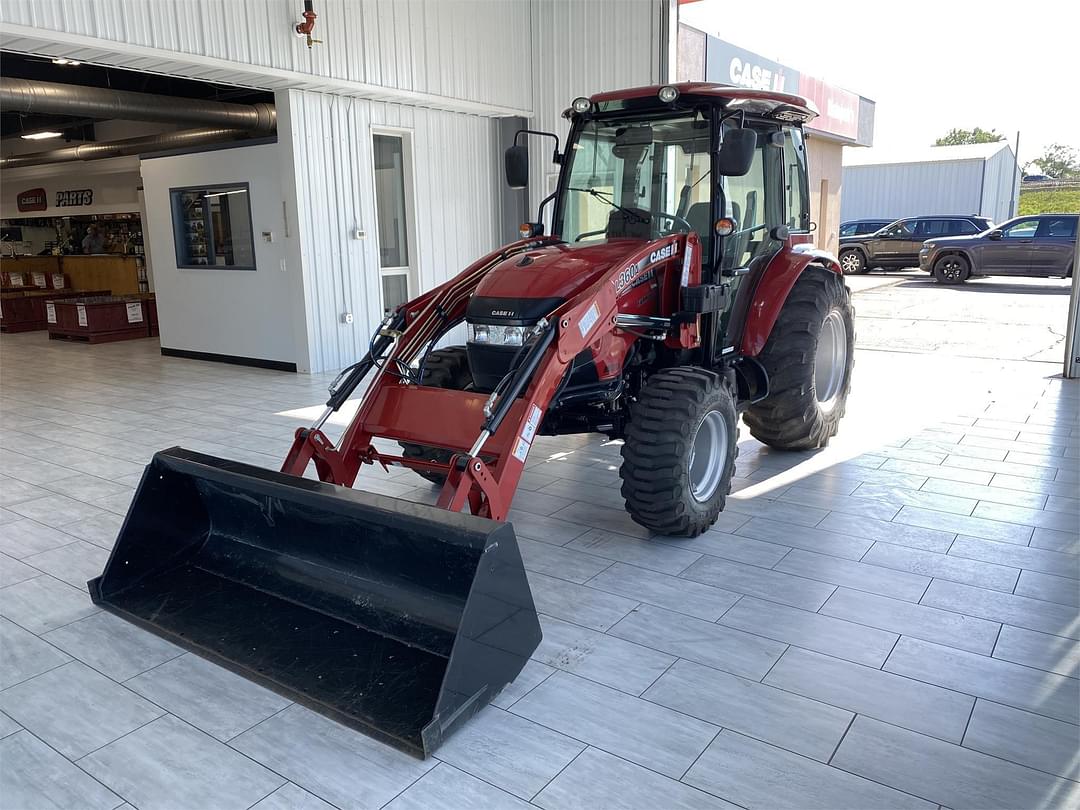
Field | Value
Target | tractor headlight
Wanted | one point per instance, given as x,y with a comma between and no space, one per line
494,335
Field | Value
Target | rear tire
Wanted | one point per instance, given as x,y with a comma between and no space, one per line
444,368
852,262
952,269
809,357
679,453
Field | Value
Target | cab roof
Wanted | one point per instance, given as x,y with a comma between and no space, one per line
770,103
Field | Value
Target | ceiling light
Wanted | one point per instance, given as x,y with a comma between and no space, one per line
70,62
39,136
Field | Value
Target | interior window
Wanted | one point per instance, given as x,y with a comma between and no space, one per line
1057,226
796,196
1024,229
212,227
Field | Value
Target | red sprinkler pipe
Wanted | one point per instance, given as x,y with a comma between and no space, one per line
305,28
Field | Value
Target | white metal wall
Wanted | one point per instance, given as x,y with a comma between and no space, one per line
581,47
892,191
1001,186
474,50
456,175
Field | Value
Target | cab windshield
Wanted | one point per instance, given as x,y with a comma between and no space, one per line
637,180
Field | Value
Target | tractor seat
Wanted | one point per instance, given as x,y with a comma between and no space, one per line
624,226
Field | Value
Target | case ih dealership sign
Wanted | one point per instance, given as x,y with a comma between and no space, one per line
33,200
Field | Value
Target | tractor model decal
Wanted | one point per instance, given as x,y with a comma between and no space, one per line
629,278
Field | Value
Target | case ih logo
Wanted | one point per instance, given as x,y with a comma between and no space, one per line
83,196
33,200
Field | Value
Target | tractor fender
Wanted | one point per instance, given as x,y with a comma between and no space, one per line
772,291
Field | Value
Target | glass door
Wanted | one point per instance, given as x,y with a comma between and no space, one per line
393,213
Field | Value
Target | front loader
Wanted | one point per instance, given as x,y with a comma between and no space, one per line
676,291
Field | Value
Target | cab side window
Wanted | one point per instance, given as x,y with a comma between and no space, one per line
796,194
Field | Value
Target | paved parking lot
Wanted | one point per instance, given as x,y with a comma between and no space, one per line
891,622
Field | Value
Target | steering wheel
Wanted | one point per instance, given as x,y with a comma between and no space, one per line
675,221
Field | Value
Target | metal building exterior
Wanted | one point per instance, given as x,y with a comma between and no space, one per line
450,79
978,179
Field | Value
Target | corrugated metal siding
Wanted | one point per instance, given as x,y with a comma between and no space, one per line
1000,186
476,50
455,173
581,47
892,191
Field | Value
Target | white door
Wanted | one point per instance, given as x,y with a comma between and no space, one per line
394,217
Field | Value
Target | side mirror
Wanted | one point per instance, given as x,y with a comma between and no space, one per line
737,152
996,234
517,166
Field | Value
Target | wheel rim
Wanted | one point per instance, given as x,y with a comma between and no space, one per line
830,363
849,262
951,269
708,452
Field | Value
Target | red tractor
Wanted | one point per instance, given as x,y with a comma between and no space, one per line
675,289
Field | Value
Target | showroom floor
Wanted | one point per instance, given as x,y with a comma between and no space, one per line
889,623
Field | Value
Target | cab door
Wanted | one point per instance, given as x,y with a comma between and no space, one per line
1053,246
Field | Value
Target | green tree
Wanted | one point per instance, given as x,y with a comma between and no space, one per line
956,137
1059,161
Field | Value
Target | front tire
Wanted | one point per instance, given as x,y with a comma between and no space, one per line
808,357
679,452
852,262
444,368
952,269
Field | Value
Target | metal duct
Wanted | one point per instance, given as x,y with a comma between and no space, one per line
129,146
26,96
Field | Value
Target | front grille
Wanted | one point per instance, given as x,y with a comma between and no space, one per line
489,364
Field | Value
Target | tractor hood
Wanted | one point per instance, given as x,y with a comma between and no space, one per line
525,287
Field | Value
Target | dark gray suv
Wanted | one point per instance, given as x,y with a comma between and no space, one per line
1041,246
896,246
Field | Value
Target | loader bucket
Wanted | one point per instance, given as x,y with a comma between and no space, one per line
397,618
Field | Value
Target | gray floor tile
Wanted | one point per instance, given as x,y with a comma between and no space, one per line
803,628
707,643
7,728
86,488
112,646
291,797
579,604
809,539
581,491
55,510
764,712
43,603
1019,611
755,774
12,571
1066,542
34,777
866,505
945,773
924,498
509,751
342,766
75,709
531,676
1006,467
14,491
919,621
1044,693
446,788
602,658
629,727
851,574
981,492
546,558
730,547
1035,559
75,563
603,517
209,697
1065,505
1048,587
540,503
546,529
1062,521
23,655
943,566
25,537
1039,650
662,557
951,473
674,593
880,530
1040,485
963,524
892,698
599,780
753,581
168,765
101,530
777,510
1024,738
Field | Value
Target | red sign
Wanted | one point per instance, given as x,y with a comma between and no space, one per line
33,200
838,109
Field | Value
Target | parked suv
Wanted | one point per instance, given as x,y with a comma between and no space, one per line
858,227
897,245
1040,245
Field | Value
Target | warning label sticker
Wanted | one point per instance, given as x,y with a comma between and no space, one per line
521,450
81,311
531,424
50,312
134,312
589,319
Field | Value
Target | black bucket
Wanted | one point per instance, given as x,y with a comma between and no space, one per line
393,617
